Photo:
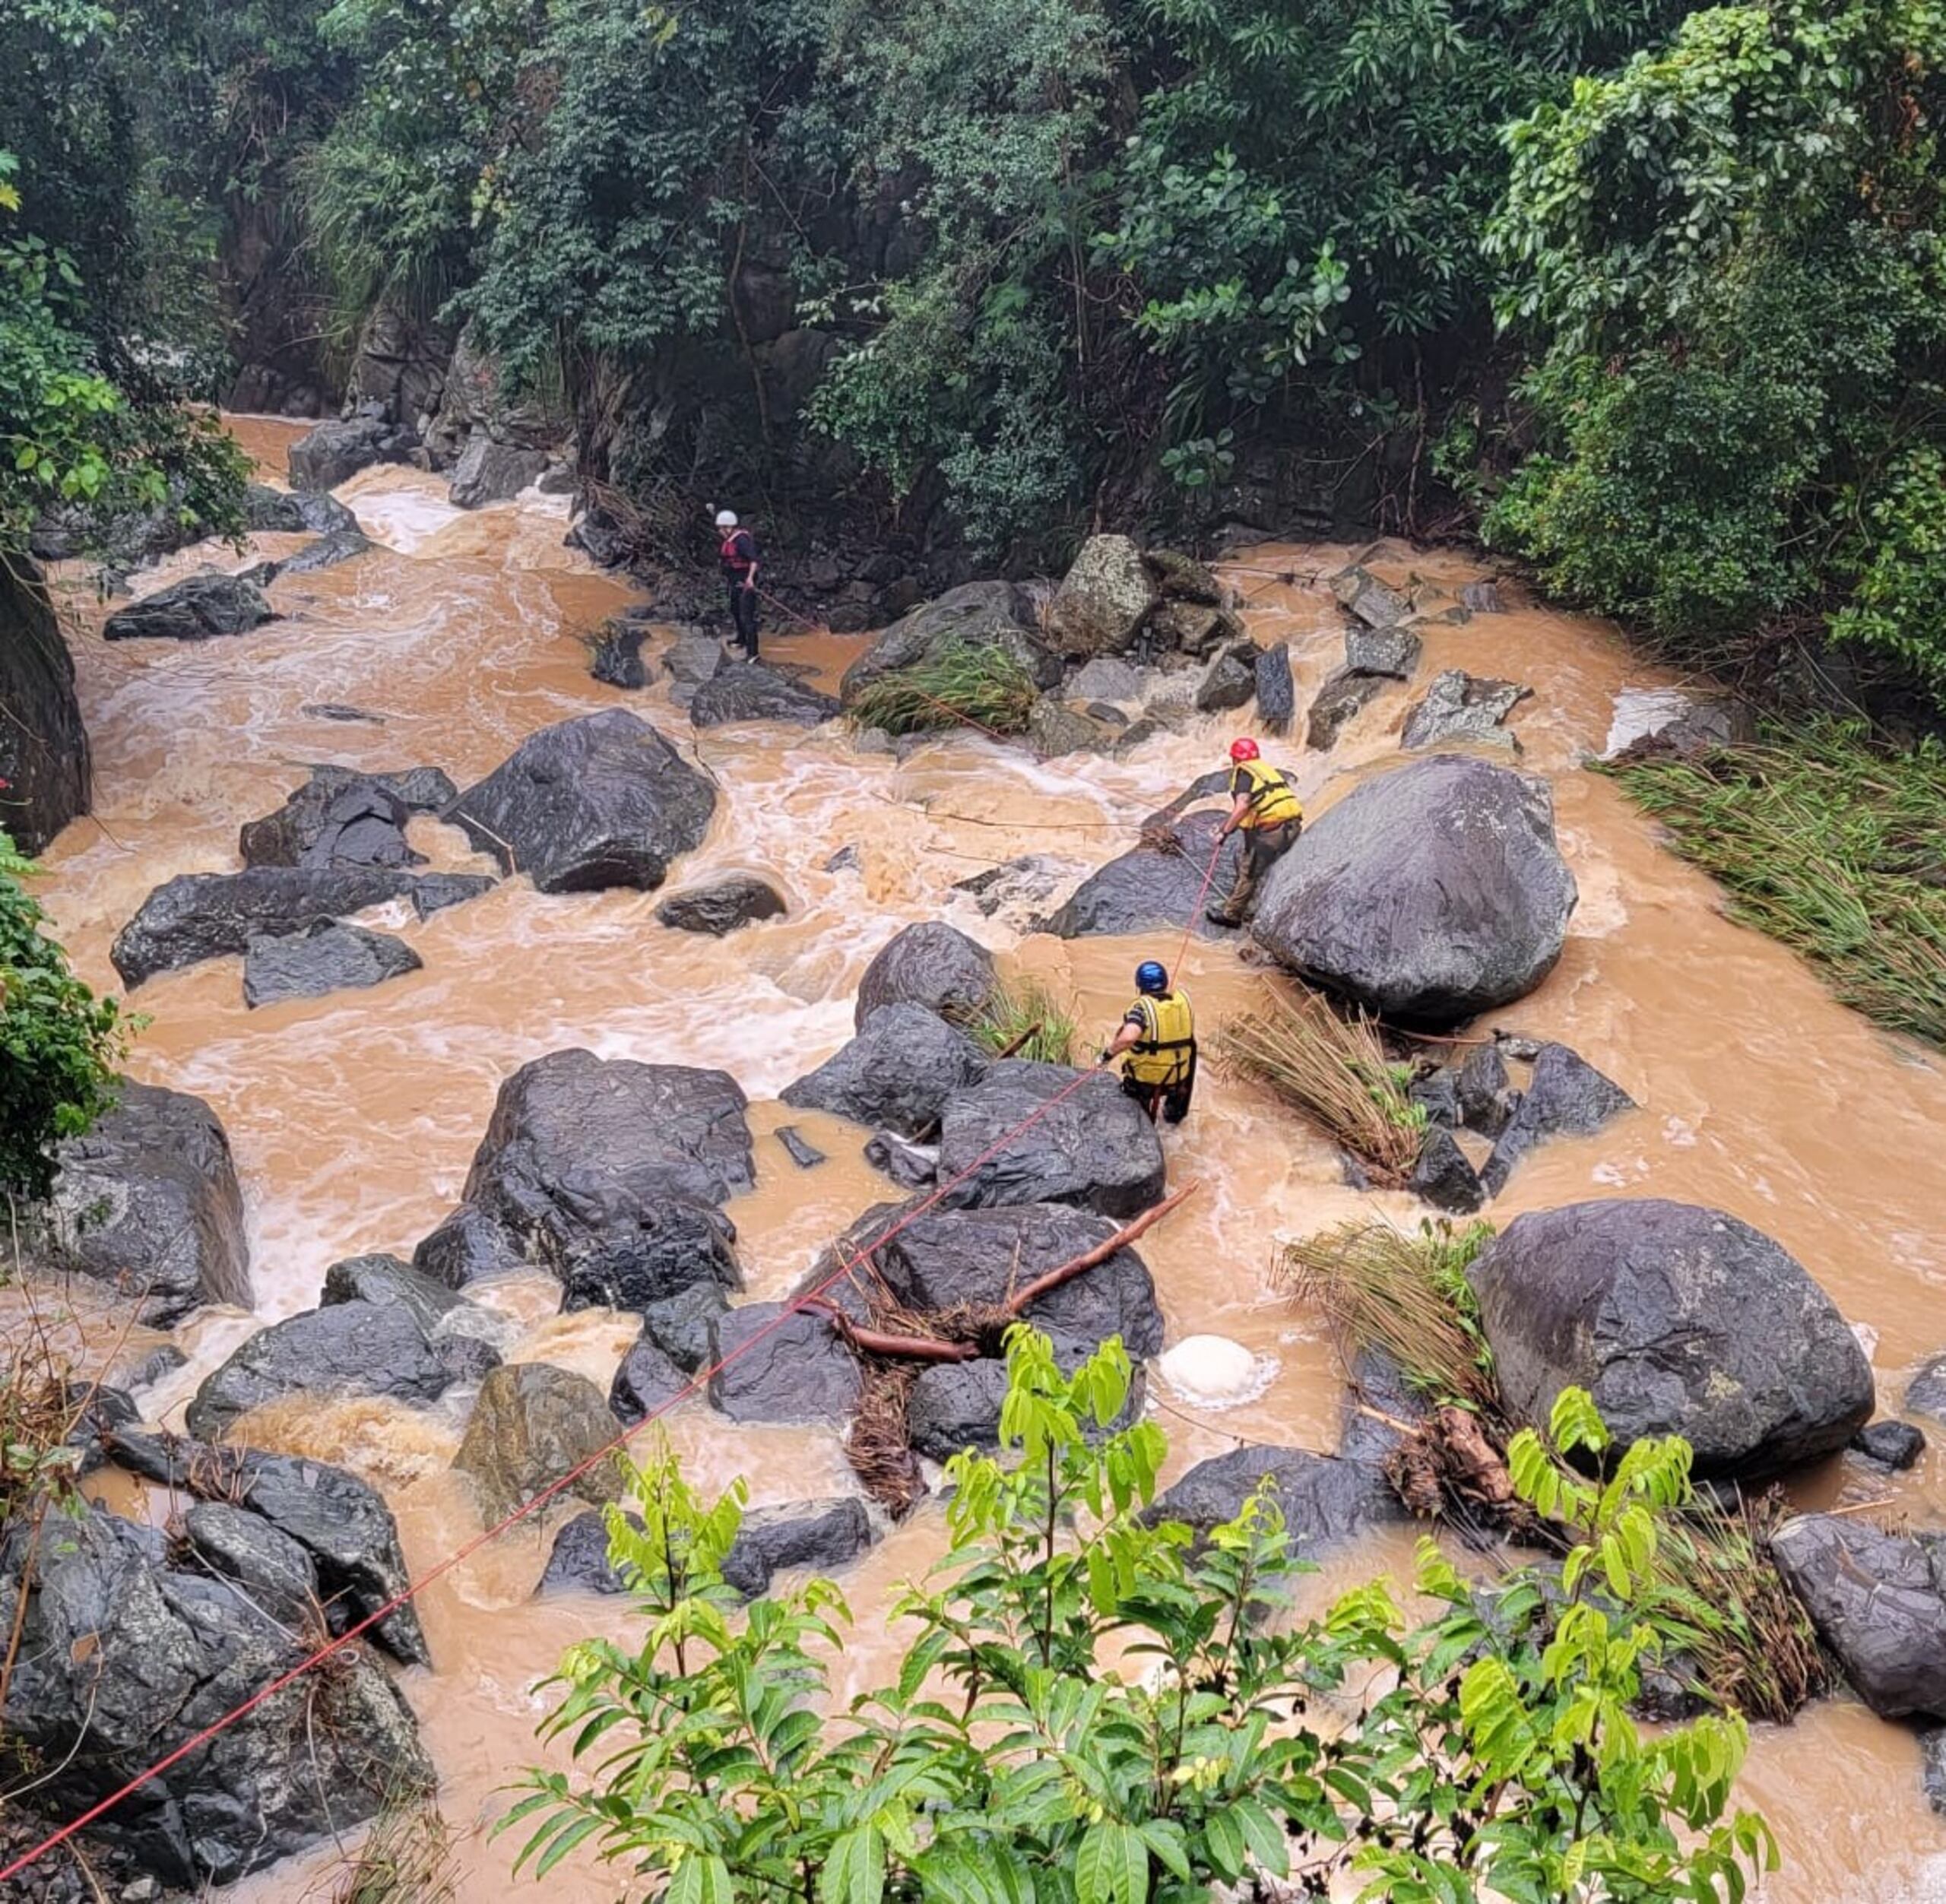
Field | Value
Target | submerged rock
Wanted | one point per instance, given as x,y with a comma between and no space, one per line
899,1071
722,907
341,545
196,609
1429,893
930,964
602,800
331,957
1677,1320
148,1200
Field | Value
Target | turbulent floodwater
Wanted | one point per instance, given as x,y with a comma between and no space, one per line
353,1117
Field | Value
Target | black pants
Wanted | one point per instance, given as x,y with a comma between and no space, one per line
1171,1100
1263,846
743,617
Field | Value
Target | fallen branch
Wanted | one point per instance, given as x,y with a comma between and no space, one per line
1067,1272
920,1348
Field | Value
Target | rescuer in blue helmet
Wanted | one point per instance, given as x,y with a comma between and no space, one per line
1158,1035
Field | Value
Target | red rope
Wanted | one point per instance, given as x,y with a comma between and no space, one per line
1196,911
416,1587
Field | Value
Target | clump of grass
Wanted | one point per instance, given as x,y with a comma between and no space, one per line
407,1857
960,681
1406,1296
1332,1070
1831,844
1020,1007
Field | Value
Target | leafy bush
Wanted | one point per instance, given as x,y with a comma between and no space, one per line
962,683
1098,1708
59,1044
1018,1006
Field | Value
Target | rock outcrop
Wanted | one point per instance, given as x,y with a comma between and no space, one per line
900,1071
197,608
931,964
43,746
1429,894
1153,888
148,1200
1102,601
1678,1320
491,472
335,451
601,800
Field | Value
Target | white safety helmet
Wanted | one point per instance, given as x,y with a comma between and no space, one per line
726,518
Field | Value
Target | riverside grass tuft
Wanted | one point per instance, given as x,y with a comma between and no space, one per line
960,681
1833,844
1332,1070
1019,1004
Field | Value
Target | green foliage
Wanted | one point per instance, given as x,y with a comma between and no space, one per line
59,1044
1018,1006
1830,843
1729,255
1097,1708
960,683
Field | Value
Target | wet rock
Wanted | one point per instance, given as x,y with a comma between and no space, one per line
329,958
1181,578
1276,696
43,745
196,609
954,1406
1484,1087
1459,707
931,964
491,472
1438,1094
334,451
1566,1096
1926,1393
471,1246
946,1257
532,1424
331,822
350,1348
691,659
1230,679
667,1247
615,657
749,691
148,1200
648,1379
721,907
1102,601
1481,598
1148,889
1095,1147
579,1562
816,1534
277,1575
342,545
1392,652
979,614
911,1166
1055,729
1445,1178
418,790
1191,629
601,800
806,1156
266,511
168,1652
436,890
1343,696
1678,1320
1106,678
795,1370
1428,893
385,1281
1323,1499
211,915
1875,1599
1367,600
1018,888
681,1325
1892,1445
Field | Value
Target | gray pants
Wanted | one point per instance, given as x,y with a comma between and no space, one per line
1263,846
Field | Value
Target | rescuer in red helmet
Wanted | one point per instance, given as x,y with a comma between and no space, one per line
1267,813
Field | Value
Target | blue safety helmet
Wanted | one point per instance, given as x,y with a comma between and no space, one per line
1151,978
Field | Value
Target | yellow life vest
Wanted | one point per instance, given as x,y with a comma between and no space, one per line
1168,1048
1272,802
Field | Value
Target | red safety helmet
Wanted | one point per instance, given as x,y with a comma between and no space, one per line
1243,750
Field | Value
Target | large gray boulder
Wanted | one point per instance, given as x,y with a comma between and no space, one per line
194,610
266,511
125,1657
349,1348
1677,1320
335,451
1460,706
331,957
491,472
1430,893
1153,888
332,820
1102,601
898,1071
277,1572
606,1171
148,1200
766,1365
1324,1499
1093,1148
386,1280
212,915
601,800
1877,1603
532,1424
979,614
748,691
933,965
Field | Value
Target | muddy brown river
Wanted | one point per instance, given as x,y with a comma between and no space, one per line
353,1117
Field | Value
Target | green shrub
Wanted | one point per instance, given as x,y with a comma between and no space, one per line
960,684
1096,1708
1020,1006
59,1044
